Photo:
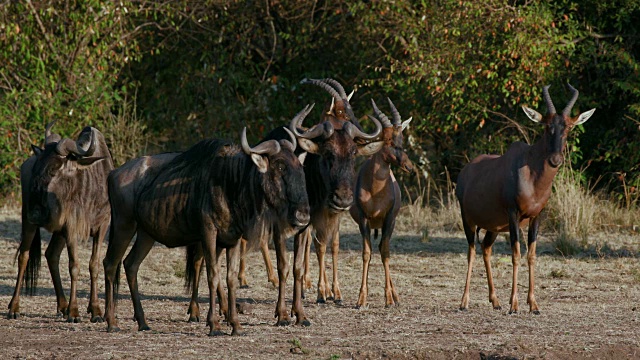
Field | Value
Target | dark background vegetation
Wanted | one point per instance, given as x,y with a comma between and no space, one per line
161,75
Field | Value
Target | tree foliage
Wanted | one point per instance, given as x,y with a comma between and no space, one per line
208,68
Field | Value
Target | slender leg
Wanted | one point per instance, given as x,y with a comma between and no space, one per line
487,246
298,265
335,249
120,236
531,262
242,277
222,296
194,306
281,262
132,262
307,254
52,254
365,231
470,233
514,235
391,295
233,261
74,271
28,234
213,280
321,250
94,267
264,248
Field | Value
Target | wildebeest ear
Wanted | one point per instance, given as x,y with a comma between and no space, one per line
582,118
36,150
370,148
262,162
532,114
301,157
90,160
308,145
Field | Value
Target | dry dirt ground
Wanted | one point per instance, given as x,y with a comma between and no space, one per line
589,307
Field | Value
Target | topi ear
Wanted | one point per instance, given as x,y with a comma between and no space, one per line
301,157
370,148
582,118
405,124
532,114
262,162
36,150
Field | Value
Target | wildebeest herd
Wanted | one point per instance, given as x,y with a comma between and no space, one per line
298,181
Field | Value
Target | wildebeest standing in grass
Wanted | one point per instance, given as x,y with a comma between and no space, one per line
64,190
504,193
213,193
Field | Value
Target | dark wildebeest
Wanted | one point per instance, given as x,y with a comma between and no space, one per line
333,146
64,190
213,193
377,199
504,193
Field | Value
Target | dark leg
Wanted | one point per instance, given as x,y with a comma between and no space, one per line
298,266
94,267
209,248
74,271
531,262
514,235
335,248
281,262
132,262
487,246
470,233
27,236
194,306
52,254
233,261
307,255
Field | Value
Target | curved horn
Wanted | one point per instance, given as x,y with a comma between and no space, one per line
337,86
290,144
354,132
333,103
67,146
567,110
397,120
547,99
383,118
50,137
323,85
312,133
269,147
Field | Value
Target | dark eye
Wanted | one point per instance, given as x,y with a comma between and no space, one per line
281,167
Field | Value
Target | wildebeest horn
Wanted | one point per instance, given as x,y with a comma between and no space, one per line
269,147
381,116
333,103
289,144
323,85
323,129
567,110
547,99
397,121
354,132
48,136
67,146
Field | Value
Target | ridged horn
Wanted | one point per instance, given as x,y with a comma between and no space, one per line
323,85
395,114
67,146
337,86
354,132
567,110
380,115
325,128
547,99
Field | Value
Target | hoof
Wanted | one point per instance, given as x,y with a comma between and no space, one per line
13,315
497,307
238,333
75,320
513,312
329,297
338,302
144,327
283,323
97,319
194,319
113,329
216,333
305,323
362,307
244,286
321,301
463,309
536,312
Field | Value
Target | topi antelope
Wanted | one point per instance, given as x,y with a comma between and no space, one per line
504,193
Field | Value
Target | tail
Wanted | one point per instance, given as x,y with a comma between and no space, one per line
116,284
375,234
189,267
33,265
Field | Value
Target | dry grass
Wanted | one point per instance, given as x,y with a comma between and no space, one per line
126,134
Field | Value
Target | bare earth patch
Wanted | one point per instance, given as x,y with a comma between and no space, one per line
589,307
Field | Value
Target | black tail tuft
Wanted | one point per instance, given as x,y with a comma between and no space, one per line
33,265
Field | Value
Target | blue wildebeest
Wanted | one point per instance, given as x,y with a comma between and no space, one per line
64,190
212,194
377,199
504,193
